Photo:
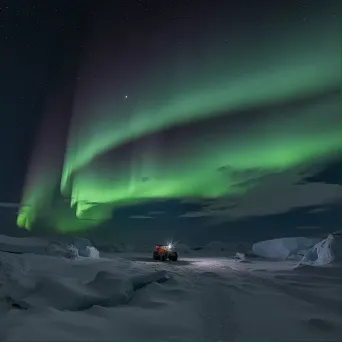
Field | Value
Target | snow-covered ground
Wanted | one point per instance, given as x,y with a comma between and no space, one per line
128,296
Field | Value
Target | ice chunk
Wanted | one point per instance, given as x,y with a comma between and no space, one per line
91,252
325,251
282,248
240,256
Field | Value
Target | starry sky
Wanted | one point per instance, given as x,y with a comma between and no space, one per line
189,120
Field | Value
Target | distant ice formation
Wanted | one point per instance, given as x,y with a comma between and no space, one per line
325,251
283,248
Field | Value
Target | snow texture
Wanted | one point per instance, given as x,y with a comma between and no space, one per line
283,248
129,296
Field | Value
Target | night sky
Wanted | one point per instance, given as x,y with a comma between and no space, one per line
187,120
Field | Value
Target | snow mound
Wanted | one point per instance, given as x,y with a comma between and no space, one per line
215,246
283,248
22,245
62,250
107,289
325,251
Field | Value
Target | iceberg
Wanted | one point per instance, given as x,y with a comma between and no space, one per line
283,248
324,252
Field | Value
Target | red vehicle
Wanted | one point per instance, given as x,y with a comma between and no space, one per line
165,252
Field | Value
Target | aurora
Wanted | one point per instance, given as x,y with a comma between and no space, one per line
190,120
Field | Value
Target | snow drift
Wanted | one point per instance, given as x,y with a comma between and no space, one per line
283,248
324,252
125,297
32,288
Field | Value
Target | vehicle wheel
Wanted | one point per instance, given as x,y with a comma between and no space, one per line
156,256
173,257
163,257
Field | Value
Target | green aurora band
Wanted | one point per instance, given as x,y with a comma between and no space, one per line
180,92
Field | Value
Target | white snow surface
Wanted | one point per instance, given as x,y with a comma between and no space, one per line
283,248
128,296
325,252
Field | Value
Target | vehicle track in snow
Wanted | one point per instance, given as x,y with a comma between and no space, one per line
213,300
229,300
207,286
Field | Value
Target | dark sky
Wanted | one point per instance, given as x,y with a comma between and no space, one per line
35,38
64,63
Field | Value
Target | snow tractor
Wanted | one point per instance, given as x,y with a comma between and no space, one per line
165,252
